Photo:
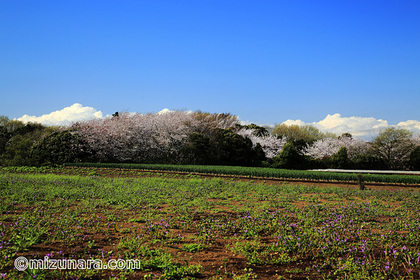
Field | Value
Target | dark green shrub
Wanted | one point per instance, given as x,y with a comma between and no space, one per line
18,140
229,148
414,162
59,148
289,158
340,159
368,162
197,151
222,147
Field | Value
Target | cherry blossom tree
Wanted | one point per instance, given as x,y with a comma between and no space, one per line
393,146
135,137
271,145
147,137
330,146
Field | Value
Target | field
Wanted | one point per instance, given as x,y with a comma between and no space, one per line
191,226
263,172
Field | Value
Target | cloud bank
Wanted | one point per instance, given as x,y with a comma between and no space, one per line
361,127
66,116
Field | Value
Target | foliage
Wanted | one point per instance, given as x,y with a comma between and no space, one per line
197,150
414,161
59,148
340,159
17,140
224,147
185,137
390,150
307,133
395,146
4,138
208,121
289,158
368,162
229,148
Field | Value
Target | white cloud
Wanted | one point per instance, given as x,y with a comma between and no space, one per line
411,125
294,122
66,116
357,126
164,111
362,127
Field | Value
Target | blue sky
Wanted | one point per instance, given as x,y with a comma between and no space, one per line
265,61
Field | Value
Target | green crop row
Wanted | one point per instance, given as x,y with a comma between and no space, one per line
262,172
26,169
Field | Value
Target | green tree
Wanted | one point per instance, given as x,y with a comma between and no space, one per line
229,148
340,159
18,148
345,135
17,140
209,122
8,128
4,138
221,147
13,126
394,145
306,133
4,120
414,161
368,162
59,148
289,158
197,151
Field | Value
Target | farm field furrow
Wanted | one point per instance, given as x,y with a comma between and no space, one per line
264,172
207,228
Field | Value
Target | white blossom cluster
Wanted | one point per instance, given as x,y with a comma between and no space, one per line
329,146
271,145
134,136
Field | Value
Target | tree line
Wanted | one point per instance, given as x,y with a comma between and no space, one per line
179,137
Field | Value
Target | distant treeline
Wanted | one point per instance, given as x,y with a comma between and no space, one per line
179,137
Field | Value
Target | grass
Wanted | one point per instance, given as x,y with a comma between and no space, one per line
207,228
